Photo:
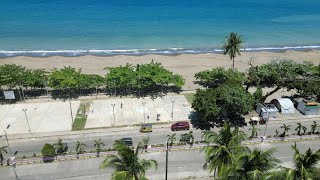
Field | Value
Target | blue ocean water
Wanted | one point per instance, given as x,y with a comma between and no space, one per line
102,27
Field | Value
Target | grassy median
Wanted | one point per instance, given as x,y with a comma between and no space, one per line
81,118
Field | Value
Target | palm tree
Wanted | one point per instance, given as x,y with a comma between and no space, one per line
188,138
299,128
254,131
80,148
221,146
127,164
232,46
251,164
285,128
60,147
171,138
3,150
305,164
97,144
314,127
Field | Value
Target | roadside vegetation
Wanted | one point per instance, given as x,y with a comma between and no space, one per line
150,79
81,117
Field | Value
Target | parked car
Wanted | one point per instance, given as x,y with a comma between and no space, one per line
183,125
146,128
127,141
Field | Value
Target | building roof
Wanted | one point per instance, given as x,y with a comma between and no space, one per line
285,103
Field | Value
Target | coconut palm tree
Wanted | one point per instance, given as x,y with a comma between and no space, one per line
232,46
221,146
171,138
305,164
188,138
98,144
285,128
80,148
3,150
250,164
299,128
126,163
314,127
254,131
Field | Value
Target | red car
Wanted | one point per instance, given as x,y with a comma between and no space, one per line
184,125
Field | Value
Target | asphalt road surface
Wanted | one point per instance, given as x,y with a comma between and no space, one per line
29,146
182,164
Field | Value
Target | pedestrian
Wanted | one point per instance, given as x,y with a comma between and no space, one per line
148,116
121,105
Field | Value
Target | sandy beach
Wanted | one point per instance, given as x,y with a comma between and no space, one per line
186,64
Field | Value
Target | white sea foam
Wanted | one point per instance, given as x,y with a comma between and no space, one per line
106,52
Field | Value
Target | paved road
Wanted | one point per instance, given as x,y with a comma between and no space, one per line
30,146
182,164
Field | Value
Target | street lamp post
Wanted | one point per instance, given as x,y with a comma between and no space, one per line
25,113
6,136
167,162
172,110
114,117
144,112
71,111
265,129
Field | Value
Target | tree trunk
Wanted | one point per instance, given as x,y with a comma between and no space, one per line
270,93
233,66
136,177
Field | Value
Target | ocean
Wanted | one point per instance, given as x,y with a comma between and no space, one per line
135,27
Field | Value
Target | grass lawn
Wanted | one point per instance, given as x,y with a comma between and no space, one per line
79,123
189,97
80,120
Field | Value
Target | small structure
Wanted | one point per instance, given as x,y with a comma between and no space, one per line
284,105
308,107
266,110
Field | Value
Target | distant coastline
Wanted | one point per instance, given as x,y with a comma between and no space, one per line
141,52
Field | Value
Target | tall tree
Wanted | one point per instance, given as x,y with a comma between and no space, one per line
232,46
250,164
126,163
305,164
98,144
221,146
3,150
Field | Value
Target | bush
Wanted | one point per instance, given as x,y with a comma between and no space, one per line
48,150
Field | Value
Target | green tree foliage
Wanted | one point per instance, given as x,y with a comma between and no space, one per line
250,164
258,95
127,164
35,78
299,128
305,164
48,150
66,78
254,131
234,100
228,101
279,74
60,147
171,138
143,77
218,76
286,129
232,46
11,75
98,144
222,145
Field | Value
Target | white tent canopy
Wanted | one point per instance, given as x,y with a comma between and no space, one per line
285,105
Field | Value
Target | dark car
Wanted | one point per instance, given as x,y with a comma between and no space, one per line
184,125
127,141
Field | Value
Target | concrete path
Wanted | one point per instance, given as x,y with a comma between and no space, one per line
41,117
109,112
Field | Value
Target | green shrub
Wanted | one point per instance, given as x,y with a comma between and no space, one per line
48,150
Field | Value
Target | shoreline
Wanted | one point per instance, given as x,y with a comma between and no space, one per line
184,64
142,52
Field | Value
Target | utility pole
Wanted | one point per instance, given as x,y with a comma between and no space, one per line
172,101
25,113
144,112
71,111
167,162
114,117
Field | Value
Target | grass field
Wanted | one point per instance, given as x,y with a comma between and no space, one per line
81,118
189,97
